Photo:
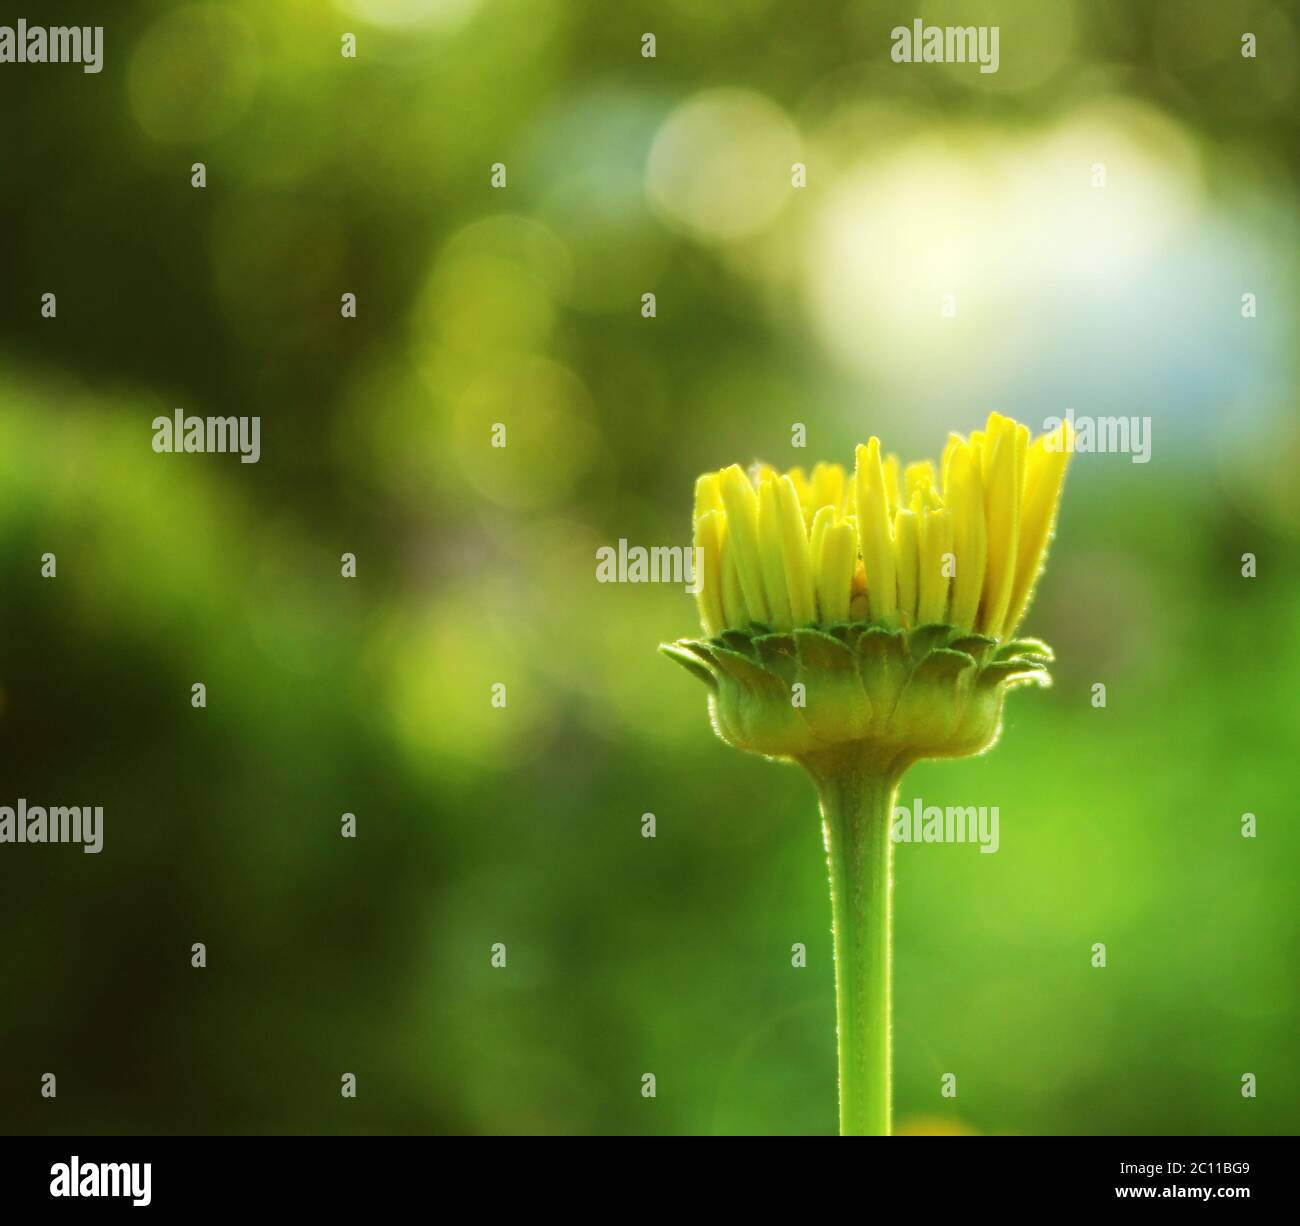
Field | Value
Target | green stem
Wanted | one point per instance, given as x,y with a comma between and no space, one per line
857,800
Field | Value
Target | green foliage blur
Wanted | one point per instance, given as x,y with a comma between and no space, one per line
522,305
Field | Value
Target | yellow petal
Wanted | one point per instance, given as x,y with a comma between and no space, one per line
794,552
1003,468
821,521
803,488
935,555
965,497
839,555
708,494
708,539
741,503
954,441
889,472
905,545
735,611
771,555
918,477
1022,457
978,450
874,533
1047,461
828,487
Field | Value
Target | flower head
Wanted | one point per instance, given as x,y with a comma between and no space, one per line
880,607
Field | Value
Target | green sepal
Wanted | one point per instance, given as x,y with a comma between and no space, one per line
836,706
757,704
933,691
1029,649
742,668
690,662
776,652
930,706
1005,672
738,641
883,666
928,638
978,646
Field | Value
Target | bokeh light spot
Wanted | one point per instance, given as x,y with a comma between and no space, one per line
194,73
720,166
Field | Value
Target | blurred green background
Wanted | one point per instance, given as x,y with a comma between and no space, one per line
522,305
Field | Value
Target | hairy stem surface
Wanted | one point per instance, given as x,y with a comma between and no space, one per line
857,799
